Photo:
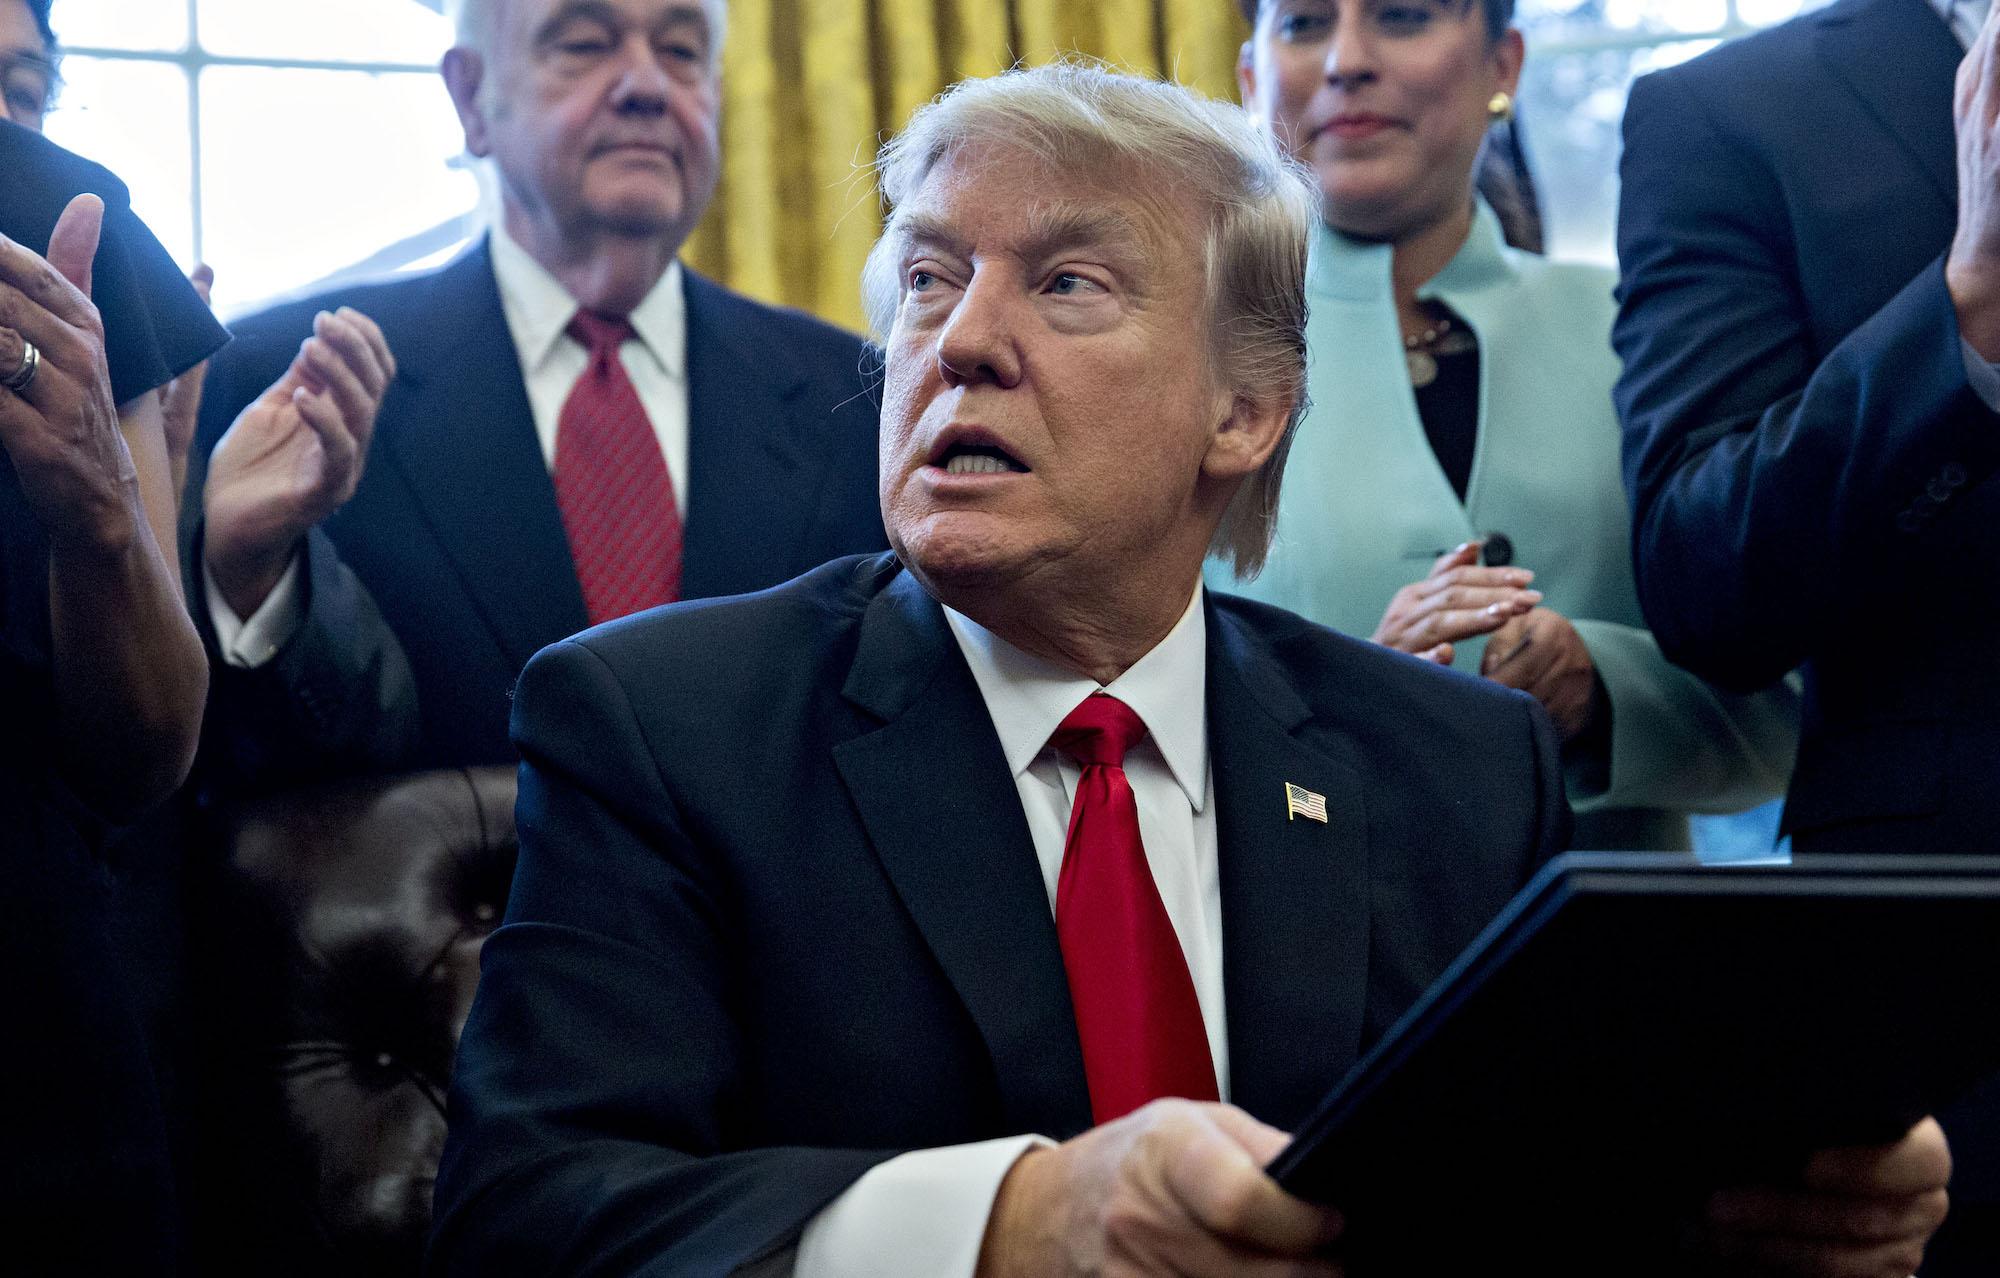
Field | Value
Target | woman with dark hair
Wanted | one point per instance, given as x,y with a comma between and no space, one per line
1454,489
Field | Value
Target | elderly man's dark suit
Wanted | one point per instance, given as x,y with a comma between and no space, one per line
1812,478
778,914
455,535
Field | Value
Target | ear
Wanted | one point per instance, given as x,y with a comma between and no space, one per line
1508,52
1245,438
463,71
1246,77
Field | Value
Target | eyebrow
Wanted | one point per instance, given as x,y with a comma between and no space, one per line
679,15
1052,228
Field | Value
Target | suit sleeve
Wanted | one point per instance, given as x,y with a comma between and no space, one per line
1772,492
338,698
1678,742
598,1124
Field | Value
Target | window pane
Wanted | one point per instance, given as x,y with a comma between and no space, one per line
1563,20
121,24
132,117
307,172
1571,105
325,30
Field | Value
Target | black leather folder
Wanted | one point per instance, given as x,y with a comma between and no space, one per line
1636,1030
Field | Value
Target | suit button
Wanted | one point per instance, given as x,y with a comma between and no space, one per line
1938,490
1908,522
1498,550
1953,475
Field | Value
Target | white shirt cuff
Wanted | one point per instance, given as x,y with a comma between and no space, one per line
249,644
919,1215
1984,378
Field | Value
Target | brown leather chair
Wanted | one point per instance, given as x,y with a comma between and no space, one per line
352,918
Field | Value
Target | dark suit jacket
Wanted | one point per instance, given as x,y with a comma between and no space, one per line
778,913
1812,479
455,537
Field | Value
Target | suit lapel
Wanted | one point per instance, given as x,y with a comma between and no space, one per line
1295,913
939,804
751,488
1899,58
458,427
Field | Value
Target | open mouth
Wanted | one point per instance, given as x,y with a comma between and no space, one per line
978,459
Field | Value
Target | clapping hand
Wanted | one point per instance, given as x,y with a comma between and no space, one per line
1541,653
1457,600
293,456
61,426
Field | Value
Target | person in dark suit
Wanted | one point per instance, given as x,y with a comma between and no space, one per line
454,516
838,905
1808,312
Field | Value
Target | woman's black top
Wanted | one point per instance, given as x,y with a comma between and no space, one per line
84,1179
1449,408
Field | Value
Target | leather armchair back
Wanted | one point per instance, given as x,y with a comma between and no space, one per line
358,913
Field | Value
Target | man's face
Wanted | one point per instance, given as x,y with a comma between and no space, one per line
1048,410
601,115
27,76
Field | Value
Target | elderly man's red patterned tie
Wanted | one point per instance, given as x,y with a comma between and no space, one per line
612,487
1136,1012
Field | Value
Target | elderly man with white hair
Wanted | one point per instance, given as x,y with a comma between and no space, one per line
993,905
577,426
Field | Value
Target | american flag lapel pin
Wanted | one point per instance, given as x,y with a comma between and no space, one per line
1301,802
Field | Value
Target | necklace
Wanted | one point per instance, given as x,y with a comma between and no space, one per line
1419,352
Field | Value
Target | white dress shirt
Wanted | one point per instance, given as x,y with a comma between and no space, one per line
923,1214
538,309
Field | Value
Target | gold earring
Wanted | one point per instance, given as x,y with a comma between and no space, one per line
1500,106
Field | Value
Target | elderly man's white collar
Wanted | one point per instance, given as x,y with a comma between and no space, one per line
539,308
1028,697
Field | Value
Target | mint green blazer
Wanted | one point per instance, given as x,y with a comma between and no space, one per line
1365,509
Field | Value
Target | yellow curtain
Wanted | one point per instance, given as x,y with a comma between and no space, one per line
810,88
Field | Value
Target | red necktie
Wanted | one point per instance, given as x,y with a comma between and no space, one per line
612,486
1136,1012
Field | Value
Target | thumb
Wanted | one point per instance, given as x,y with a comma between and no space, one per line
73,244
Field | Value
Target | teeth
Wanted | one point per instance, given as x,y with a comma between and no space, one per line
976,464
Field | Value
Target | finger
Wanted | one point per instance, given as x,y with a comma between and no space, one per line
355,350
324,418
203,279
1817,1258
73,244
1465,553
372,333
1453,626
1794,1214
340,381
1474,575
1220,1182
1916,1164
1471,598
1440,655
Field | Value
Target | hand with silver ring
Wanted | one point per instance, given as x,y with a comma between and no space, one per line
59,422
23,377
